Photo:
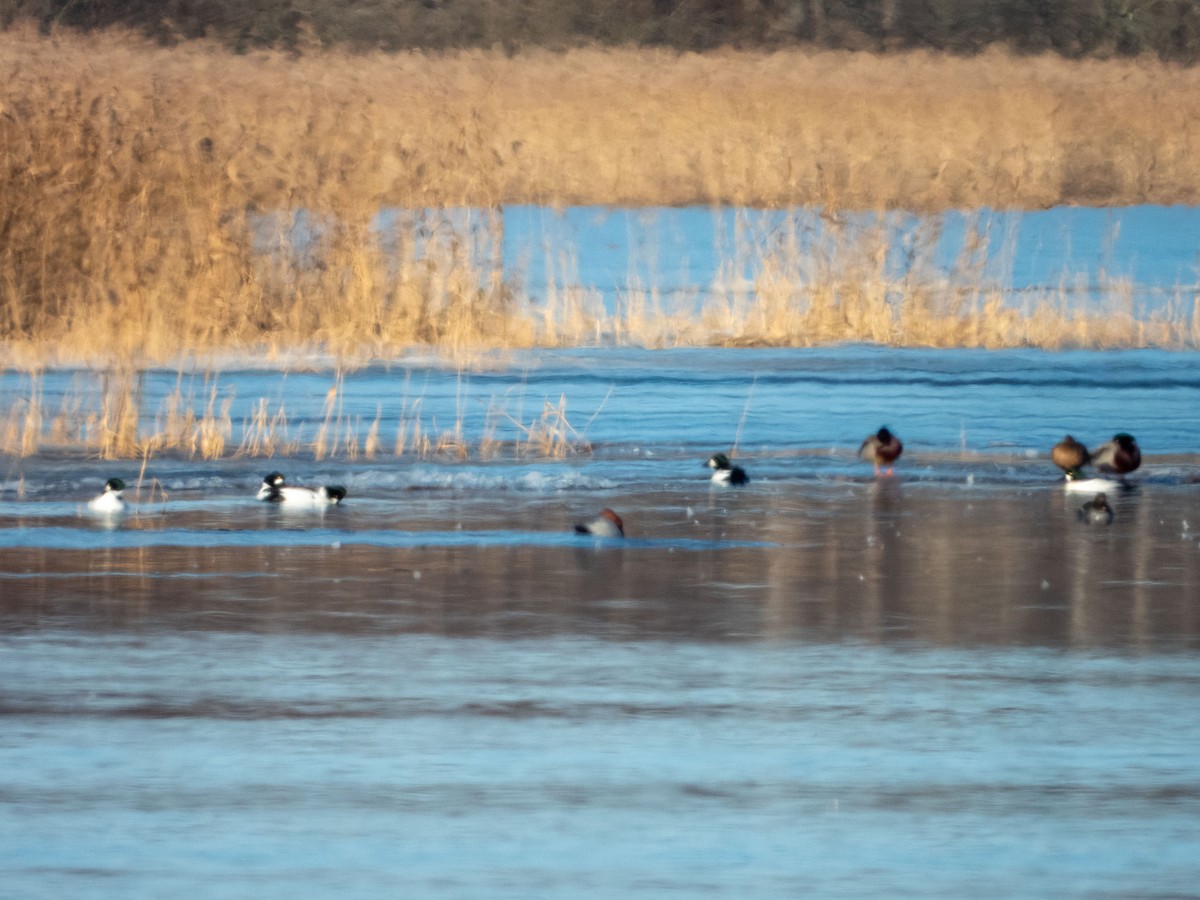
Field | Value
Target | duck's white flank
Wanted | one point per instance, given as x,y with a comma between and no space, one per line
607,525
1090,485
110,500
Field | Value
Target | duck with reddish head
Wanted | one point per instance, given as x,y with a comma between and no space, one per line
607,525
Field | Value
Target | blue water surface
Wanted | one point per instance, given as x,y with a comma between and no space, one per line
231,764
939,683
1147,255
632,415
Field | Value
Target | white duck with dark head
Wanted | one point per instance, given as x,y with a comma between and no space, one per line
275,489
725,472
110,500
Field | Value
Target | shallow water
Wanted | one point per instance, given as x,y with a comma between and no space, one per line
643,415
1134,258
939,684
1139,256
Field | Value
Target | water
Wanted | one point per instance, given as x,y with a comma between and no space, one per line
1139,260
650,411
939,684
1141,257
306,763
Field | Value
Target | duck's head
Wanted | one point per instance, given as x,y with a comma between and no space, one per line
1070,456
114,486
611,516
718,461
270,488
884,435
1125,441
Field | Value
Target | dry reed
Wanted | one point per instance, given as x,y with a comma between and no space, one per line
348,133
107,420
136,184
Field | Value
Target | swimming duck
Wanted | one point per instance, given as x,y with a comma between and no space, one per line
110,499
274,490
608,525
724,472
1070,456
1120,456
1096,511
881,449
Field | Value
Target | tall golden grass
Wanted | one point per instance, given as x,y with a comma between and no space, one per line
132,178
107,418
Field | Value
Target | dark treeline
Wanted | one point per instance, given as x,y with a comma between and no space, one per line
1169,29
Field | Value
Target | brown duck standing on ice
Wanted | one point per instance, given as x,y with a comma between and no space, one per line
1070,456
1120,456
881,449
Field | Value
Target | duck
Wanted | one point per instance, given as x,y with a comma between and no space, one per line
607,525
1120,456
1070,456
725,472
1096,511
110,500
881,449
275,490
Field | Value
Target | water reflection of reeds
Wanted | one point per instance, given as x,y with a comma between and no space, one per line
887,563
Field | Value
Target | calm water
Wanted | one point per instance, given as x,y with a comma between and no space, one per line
1147,254
940,684
935,685
1136,259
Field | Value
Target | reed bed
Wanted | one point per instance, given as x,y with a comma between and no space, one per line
109,418
164,204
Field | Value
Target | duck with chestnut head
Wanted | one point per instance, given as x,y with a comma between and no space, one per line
607,525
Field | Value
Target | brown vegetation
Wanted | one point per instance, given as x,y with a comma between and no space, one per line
131,179
107,418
